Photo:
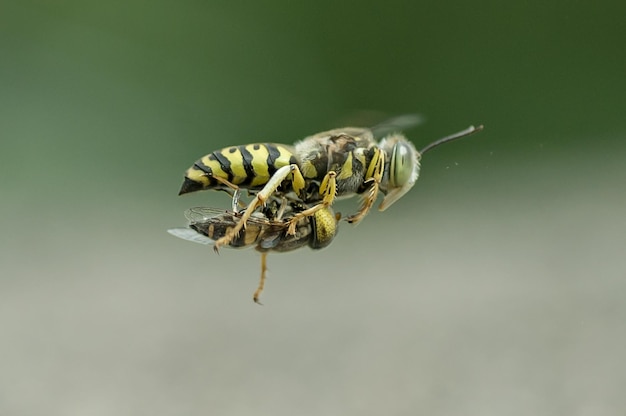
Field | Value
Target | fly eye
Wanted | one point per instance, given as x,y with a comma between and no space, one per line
324,224
402,165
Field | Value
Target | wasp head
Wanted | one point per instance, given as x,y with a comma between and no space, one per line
402,168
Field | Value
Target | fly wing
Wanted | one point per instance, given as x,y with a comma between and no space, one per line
207,224
190,235
209,215
202,214
278,240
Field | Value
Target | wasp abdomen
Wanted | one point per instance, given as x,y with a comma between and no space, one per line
247,166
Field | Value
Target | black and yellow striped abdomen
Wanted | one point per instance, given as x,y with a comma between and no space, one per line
246,166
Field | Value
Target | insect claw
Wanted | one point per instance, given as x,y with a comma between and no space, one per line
351,219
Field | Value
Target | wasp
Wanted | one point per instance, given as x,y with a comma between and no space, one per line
267,231
315,171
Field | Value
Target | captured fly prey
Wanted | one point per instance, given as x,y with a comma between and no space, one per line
207,225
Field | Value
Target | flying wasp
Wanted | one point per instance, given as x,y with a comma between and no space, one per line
315,171
267,231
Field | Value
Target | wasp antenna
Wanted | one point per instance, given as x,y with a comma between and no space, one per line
468,131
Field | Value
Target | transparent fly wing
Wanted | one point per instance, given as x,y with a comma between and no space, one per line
200,214
190,235
209,215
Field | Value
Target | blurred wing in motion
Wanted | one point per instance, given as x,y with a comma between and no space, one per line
397,124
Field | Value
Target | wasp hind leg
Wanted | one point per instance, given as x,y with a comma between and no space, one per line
259,289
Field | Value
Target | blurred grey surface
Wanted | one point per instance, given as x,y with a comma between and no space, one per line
495,287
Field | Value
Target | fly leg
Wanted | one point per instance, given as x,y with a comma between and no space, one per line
259,289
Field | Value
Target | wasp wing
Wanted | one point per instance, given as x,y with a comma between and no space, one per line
397,124
347,134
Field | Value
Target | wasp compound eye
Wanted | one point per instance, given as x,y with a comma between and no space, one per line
403,164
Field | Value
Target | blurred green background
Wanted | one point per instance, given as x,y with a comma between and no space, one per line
496,286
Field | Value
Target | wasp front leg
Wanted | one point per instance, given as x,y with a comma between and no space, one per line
298,183
373,177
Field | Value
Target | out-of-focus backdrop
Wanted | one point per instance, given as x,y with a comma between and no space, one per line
495,287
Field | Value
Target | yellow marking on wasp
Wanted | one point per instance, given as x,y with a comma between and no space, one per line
215,167
374,164
308,170
284,158
219,172
328,188
346,169
298,182
259,164
197,175
211,231
233,154
378,173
